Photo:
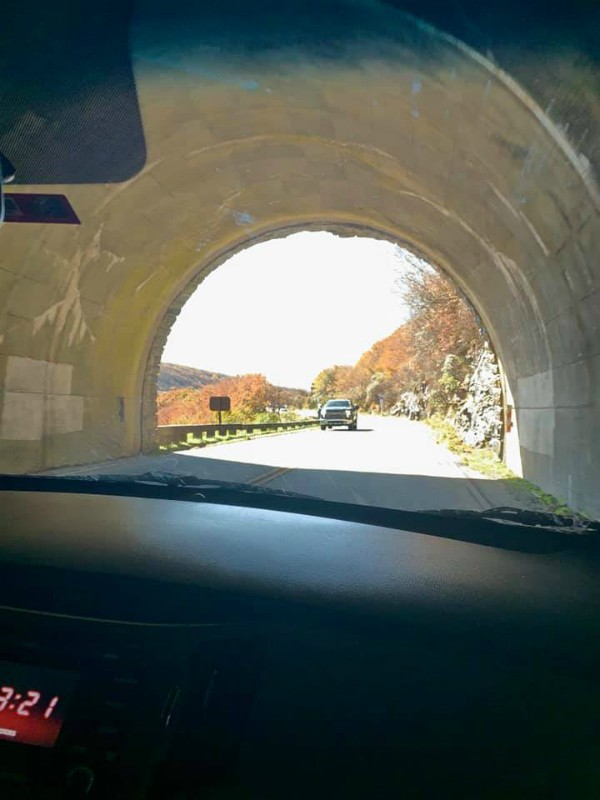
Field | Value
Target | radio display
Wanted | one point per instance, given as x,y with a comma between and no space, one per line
32,703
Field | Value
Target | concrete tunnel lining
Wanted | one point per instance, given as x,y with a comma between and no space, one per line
440,151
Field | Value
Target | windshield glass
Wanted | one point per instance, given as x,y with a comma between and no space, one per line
225,223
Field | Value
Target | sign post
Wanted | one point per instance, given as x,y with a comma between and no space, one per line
220,404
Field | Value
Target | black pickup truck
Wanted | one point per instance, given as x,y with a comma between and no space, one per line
338,412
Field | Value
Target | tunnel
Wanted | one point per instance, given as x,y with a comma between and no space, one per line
183,135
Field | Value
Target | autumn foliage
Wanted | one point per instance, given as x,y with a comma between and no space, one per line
425,365
431,355
250,396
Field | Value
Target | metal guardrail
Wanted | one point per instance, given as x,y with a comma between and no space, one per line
177,434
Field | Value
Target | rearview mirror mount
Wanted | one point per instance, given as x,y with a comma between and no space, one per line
7,175
7,171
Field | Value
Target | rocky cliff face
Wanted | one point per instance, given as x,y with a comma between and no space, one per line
479,418
472,402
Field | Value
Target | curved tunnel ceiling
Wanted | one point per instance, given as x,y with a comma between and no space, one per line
248,122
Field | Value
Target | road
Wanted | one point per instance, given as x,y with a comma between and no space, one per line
390,462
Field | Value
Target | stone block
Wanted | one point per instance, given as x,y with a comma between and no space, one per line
7,283
56,253
573,385
18,457
59,378
537,468
16,336
171,174
579,269
589,309
567,339
272,148
535,391
575,206
588,238
536,430
25,375
545,216
63,414
552,292
309,122
252,172
127,231
505,221
31,375
327,170
594,368
76,448
105,431
29,298
577,471
98,283
22,416
169,213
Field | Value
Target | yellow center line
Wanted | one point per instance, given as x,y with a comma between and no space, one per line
269,476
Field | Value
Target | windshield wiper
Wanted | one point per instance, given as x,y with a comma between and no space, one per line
200,488
508,529
186,486
510,515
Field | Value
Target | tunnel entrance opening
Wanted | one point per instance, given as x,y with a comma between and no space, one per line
276,308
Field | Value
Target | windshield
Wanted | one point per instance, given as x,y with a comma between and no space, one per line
225,223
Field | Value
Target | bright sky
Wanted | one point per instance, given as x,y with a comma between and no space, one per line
290,307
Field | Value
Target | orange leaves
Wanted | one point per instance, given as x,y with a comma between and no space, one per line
388,354
413,356
180,406
250,395
336,381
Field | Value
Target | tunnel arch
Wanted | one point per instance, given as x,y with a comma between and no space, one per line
166,322
404,132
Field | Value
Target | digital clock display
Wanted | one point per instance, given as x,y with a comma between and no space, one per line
32,703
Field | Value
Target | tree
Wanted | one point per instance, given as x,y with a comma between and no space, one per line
332,381
442,321
250,396
427,362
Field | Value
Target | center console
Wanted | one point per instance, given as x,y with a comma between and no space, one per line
101,709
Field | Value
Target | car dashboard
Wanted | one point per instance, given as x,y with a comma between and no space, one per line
153,648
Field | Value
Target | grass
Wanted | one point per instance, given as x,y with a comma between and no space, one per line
557,506
485,461
480,459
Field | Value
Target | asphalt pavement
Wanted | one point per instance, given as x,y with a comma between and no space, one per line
388,461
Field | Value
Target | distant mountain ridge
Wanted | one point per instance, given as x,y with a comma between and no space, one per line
174,376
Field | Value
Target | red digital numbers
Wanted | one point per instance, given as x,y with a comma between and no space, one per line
23,708
32,716
6,692
51,707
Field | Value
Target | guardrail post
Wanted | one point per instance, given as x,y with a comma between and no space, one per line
176,434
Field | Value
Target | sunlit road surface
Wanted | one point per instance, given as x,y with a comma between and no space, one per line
389,462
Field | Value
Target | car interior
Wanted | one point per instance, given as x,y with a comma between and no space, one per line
184,640
199,649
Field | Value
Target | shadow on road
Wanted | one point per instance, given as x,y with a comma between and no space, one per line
400,491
